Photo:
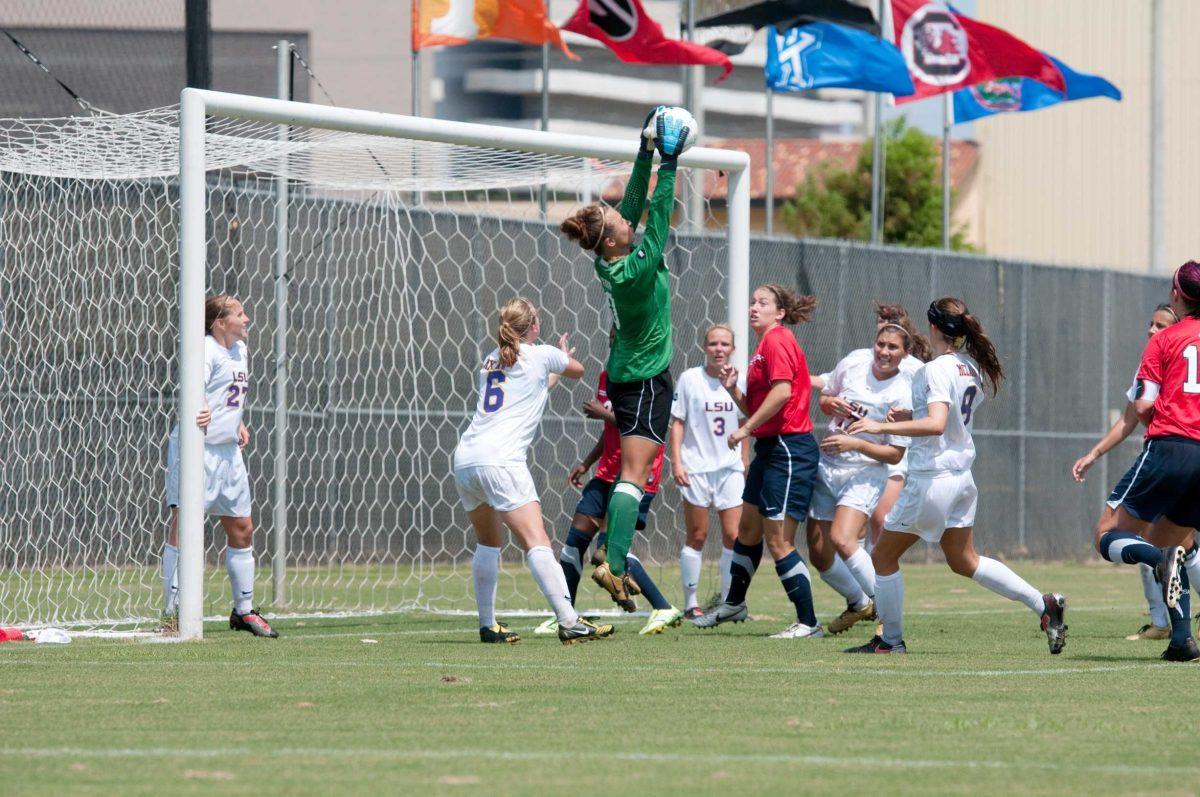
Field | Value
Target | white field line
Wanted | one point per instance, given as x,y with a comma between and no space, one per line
855,762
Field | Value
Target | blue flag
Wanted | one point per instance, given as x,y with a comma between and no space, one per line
1024,94
824,55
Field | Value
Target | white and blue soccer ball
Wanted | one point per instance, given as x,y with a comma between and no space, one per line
673,130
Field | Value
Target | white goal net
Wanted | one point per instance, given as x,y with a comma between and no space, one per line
387,273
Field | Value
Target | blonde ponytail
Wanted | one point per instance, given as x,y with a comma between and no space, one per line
516,317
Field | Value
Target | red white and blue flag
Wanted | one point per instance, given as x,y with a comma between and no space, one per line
946,51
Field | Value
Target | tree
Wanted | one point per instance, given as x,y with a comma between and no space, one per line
835,202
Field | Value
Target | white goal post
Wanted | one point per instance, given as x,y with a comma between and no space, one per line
198,107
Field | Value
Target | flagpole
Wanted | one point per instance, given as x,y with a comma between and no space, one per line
545,109
770,198
877,175
1158,254
947,121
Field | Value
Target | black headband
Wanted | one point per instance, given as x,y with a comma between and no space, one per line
951,325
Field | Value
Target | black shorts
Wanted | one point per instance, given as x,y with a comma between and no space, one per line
643,408
1163,481
594,502
781,476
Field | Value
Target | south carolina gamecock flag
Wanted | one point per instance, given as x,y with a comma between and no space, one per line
450,22
947,51
627,30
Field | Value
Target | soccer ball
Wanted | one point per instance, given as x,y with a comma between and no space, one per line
672,123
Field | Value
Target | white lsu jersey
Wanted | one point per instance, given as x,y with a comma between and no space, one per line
852,379
709,416
510,407
226,384
954,379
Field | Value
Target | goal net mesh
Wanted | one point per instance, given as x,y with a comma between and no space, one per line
400,254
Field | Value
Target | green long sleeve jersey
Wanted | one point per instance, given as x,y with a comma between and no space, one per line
638,285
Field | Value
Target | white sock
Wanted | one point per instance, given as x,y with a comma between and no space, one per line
1000,579
550,580
170,578
485,570
843,582
240,564
725,566
1154,599
863,569
690,562
889,605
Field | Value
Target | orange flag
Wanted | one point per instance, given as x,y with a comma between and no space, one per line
450,22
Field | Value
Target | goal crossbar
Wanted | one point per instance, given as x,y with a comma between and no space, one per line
196,105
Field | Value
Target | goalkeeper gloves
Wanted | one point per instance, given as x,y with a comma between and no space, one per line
649,129
671,137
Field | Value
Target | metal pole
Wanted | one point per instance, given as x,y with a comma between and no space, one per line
947,121
1158,244
283,89
192,255
695,75
877,173
198,36
545,110
770,159
416,82
738,205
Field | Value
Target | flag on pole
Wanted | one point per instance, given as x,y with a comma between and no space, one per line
451,22
824,55
947,51
626,29
1023,94
785,14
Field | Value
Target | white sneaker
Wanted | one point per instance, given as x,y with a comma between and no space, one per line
800,630
660,620
548,627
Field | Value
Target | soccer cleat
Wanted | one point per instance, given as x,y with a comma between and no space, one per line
253,622
499,635
548,627
1052,621
1166,572
599,555
724,613
616,587
1185,652
846,620
1149,631
694,613
877,645
168,622
583,631
800,631
660,620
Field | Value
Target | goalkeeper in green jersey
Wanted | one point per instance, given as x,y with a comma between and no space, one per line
636,282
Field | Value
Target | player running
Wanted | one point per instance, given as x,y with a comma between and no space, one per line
710,474
637,283
853,470
938,501
492,475
1160,502
1159,625
589,519
779,483
226,484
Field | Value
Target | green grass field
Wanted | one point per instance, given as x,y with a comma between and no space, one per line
978,707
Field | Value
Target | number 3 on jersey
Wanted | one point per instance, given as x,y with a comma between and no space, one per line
968,402
493,391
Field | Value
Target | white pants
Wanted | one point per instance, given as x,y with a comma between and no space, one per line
226,483
931,503
856,486
502,487
719,489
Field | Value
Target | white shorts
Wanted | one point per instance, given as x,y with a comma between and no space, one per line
719,489
502,487
930,504
900,468
858,487
226,484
